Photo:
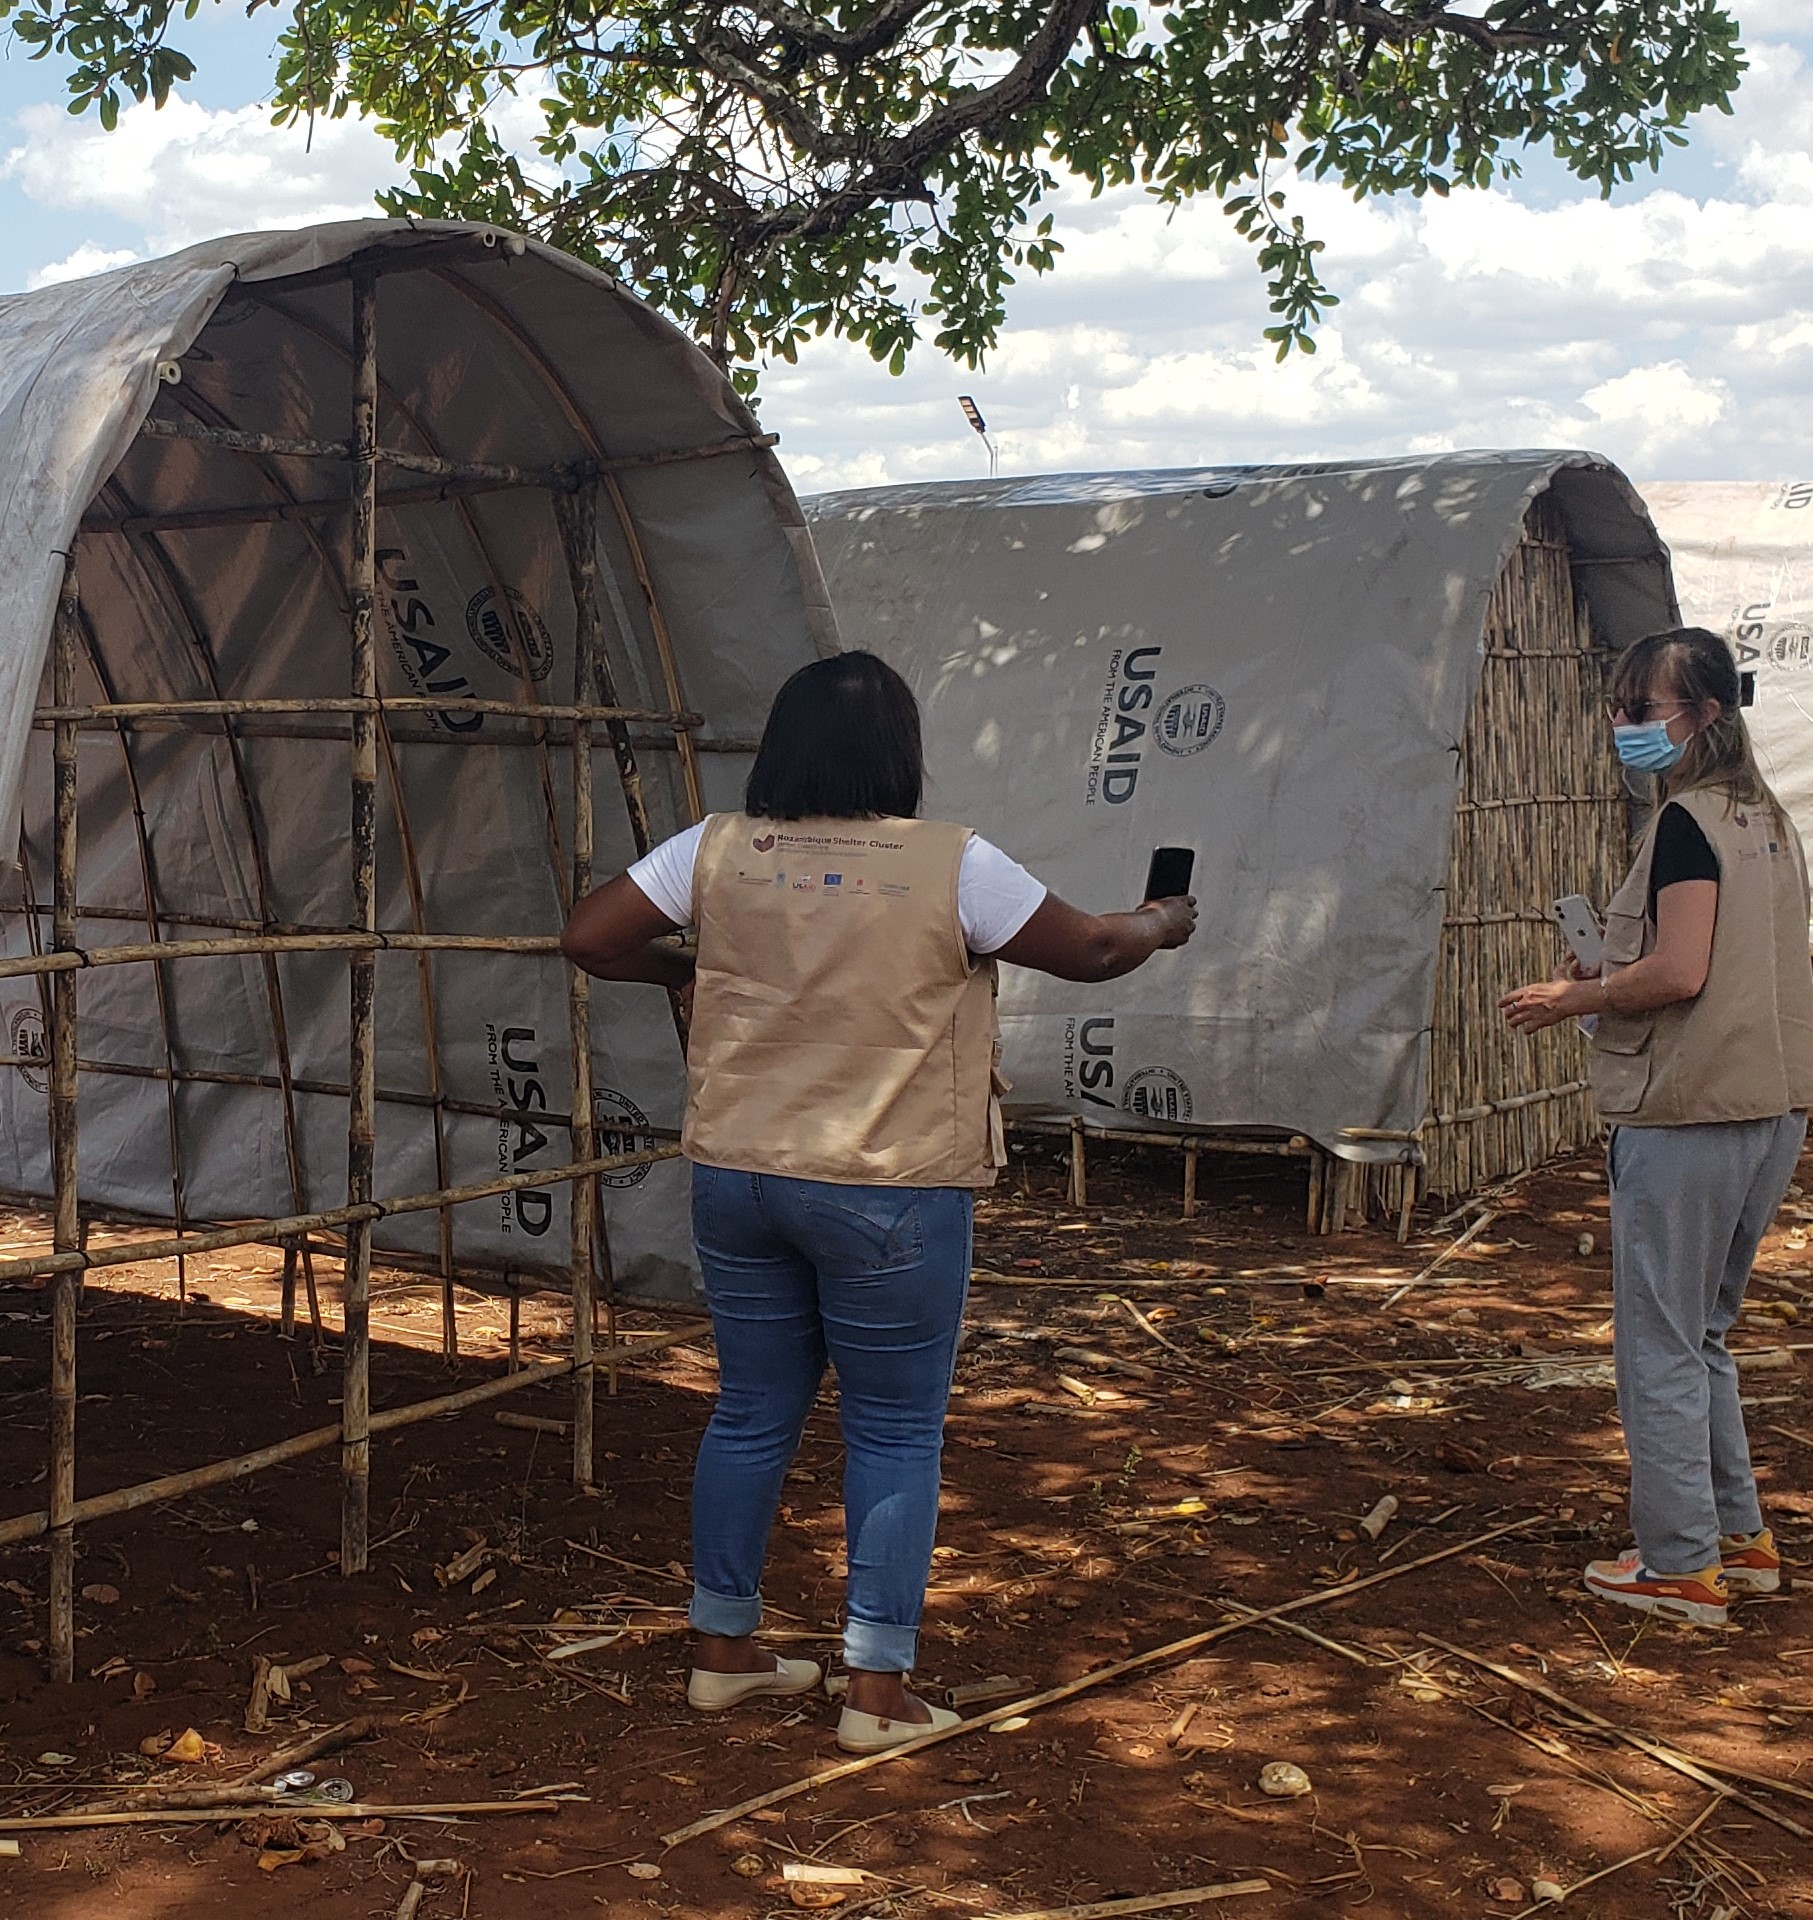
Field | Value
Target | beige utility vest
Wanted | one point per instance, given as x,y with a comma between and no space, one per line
1742,1048
841,1030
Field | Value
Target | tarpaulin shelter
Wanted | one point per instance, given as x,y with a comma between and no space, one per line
374,582
1743,562
1367,694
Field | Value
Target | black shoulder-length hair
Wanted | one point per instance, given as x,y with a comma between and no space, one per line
842,743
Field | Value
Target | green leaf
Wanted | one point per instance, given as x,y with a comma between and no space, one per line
897,192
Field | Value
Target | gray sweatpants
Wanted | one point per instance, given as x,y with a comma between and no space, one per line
1689,1208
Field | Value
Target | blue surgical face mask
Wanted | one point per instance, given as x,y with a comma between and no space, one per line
1647,748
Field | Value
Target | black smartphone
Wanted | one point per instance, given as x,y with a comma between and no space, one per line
1168,876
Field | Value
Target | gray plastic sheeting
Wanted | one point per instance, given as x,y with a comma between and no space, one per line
1271,665
1743,559
503,354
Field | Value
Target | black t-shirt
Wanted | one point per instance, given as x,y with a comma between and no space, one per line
1682,853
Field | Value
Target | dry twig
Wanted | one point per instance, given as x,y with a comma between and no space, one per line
1101,1676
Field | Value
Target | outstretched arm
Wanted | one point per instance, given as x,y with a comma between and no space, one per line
1063,940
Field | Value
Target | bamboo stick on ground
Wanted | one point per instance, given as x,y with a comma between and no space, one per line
313,1809
1695,1766
1141,1903
1617,1866
1101,1676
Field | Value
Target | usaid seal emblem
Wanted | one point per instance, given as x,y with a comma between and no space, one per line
1187,720
1156,1093
29,1043
486,625
620,1126
1791,646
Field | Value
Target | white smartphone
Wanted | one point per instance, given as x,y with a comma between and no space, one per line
1580,927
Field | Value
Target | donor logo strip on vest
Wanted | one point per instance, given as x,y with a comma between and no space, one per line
828,864
1133,717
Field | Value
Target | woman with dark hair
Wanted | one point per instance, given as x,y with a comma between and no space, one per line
842,1081
1702,1063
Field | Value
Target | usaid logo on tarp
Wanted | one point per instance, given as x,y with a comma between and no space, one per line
1187,720
487,625
1790,645
1121,727
1783,644
29,1043
1151,1093
522,1096
1156,1093
620,1126
1182,723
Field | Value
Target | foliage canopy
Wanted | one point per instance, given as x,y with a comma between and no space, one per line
766,171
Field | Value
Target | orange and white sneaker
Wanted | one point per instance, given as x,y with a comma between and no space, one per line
1751,1562
1698,1598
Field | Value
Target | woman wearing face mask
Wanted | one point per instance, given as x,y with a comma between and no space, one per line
1702,1064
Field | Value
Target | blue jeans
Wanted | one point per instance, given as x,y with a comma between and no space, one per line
873,1279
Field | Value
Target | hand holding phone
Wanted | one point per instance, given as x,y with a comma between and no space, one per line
1580,927
1168,873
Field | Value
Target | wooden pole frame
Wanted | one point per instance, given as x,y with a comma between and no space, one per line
362,1070
581,495
65,1286
578,520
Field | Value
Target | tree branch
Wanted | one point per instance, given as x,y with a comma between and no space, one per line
901,162
810,34
1398,27
730,62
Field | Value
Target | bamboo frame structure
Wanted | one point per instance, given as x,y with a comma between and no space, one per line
1541,811
362,720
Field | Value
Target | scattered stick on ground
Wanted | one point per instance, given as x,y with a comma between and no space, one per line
1694,1766
1142,1903
1617,1866
313,1809
1720,1796
1441,1259
1155,1656
239,1789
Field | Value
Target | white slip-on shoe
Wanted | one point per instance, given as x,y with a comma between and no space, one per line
875,1733
715,1692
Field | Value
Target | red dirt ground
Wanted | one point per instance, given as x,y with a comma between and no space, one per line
1077,1531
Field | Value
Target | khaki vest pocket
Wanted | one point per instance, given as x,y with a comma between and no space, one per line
1620,1065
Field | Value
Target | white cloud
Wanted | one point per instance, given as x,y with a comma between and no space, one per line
1668,330
184,173
87,259
1654,411
1671,328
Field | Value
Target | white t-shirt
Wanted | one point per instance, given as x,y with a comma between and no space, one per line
996,896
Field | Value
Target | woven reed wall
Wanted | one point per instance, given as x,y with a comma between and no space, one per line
1542,812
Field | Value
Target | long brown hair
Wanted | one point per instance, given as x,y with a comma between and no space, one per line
1696,666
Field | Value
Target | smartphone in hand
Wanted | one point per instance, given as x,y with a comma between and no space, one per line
1580,928
1168,874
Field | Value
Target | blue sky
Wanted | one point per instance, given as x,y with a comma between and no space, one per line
1671,328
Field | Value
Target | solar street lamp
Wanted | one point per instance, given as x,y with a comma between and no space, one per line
973,414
